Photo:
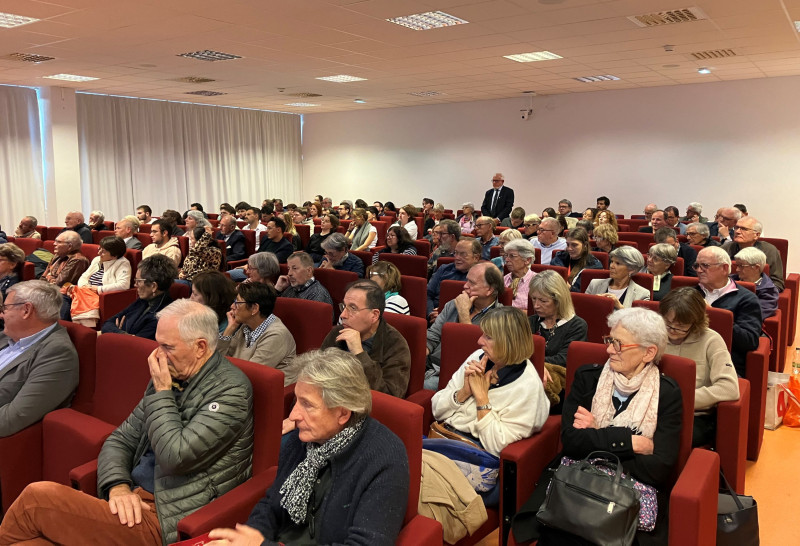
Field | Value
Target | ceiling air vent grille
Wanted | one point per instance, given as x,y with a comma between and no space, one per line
426,93
712,54
209,55
206,93
195,79
28,57
671,17
305,95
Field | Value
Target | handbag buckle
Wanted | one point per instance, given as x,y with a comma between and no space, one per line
610,508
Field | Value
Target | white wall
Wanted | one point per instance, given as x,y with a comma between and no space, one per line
718,143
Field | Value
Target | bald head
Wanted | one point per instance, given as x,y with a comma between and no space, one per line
73,219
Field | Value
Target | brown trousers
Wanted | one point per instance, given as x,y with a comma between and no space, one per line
51,513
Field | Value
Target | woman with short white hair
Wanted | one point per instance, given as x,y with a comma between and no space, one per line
624,262
519,255
750,264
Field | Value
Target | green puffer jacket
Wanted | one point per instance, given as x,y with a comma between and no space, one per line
203,445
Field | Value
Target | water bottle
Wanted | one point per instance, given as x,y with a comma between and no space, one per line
796,362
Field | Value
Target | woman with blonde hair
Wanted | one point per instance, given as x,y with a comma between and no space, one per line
361,234
289,220
605,237
387,276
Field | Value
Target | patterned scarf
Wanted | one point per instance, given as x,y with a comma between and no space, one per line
296,490
641,415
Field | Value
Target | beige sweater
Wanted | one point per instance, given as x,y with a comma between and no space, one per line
716,377
274,348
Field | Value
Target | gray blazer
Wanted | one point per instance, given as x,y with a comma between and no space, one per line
38,381
634,292
133,243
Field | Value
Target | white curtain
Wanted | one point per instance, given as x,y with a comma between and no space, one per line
21,173
168,155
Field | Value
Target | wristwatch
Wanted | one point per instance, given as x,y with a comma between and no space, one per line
485,407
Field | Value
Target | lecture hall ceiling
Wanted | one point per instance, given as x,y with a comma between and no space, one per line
133,48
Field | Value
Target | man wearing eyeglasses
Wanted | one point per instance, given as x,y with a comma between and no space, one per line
68,264
484,229
723,223
713,266
365,334
38,362
548,240
565,209
448,232
498,202
467,254
745,235
689,255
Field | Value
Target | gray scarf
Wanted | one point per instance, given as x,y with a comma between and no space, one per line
296,490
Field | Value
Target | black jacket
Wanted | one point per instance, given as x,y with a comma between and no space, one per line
505,202
235,248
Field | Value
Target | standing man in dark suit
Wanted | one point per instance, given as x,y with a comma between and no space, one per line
498,201
38,363
235,248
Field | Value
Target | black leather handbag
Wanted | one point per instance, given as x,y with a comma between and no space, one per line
737,518
585,501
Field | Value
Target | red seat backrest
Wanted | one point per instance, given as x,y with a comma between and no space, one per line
304,231
336,283
28,246
538,268
85,341
122,374
382,228
423,247
414,330
594,310
409,265
413,289
308,321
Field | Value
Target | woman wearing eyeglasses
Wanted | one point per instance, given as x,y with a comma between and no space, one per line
684,312
626,407
660,258
530,226
576,257
398,241
467,219
605,237
624,262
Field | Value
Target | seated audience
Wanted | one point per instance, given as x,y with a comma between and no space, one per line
481,293
363,332
672,216
432,220
97,220
153,278
625,407
213,289
398,241
226,209
144,214
361,234
698,234
195,219
11,259
723,224
657,220
586,226
548,240
40,364
253,333
387,277
624,262
467,253
496,396
274,240
299,282
506,236
484,233
589,214
405,219
649,209
693,214
746,233
109,272
548,212
576,257
345,207
519,255
713,267
466,221
68,264
125,230
328,225
515,220
530,226
605,237
27,228
163,242
684,312
174,219
448,233
660,258
235,246
606,217
170,457
689,255
337,257
290,230
252,215
342,476
260,267
750,263
565,209
204,254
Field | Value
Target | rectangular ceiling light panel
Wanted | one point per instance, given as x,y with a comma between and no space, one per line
428,20
603,78
71,78
301,104
342,78
532,57
9,20
209,55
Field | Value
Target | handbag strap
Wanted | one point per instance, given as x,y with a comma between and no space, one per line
729,490
607,456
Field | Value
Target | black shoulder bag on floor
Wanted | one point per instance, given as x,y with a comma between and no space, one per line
737,518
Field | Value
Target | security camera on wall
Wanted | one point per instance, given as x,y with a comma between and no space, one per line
526,113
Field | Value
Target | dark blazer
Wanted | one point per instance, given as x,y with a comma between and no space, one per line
83,230
505,202
235,249
646,229
282,249
38,381
689,256
140,320
134,243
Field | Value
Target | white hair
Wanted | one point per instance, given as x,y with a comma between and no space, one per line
195,321
753,256
45,297
646,326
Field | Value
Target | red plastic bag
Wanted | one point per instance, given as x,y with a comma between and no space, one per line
792,416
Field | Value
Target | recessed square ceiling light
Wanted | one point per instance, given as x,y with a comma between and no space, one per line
428,20
301,104
71,78
9,20
603,78
210,55
534,56
342,78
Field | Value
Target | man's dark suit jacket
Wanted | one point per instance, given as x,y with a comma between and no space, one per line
235,249
505,202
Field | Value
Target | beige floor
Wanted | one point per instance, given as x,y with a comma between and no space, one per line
774,481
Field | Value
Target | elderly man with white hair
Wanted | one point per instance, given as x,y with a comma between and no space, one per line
68,264
698,234
498,201
74,222
713,266
746,233
693,213
750,263
38,362
723,223
548,240
125,229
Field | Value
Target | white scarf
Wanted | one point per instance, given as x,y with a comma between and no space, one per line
641,415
